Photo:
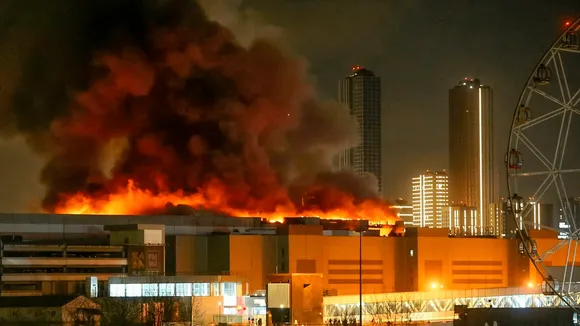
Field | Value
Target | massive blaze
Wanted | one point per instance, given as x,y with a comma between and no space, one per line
175,112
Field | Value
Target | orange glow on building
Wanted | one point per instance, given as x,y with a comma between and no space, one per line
421,260
132,200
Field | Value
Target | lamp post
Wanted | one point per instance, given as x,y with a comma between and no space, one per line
1,266
360,273
219,312
281,314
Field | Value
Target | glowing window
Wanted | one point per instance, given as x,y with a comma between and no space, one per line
134,290
150,290
183,289
117,290
229,288
201,289
166,289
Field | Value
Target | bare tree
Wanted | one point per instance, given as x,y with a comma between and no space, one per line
406,312
381,310
25,317
120,312
37,316
180,311
387,310
151,311
347,315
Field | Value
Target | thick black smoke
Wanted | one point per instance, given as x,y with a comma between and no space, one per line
154,91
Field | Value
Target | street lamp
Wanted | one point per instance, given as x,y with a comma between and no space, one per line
281,314
360,272
219,311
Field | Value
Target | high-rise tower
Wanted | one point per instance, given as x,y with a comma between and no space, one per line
430,198
471,148
361,93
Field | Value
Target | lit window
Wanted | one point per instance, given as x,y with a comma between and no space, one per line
201,289
117,290
183,289
166,289
150,290
258,311
134,290
216,289
229,289
230,301
230,311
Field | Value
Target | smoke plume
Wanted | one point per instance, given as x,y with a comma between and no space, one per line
153,99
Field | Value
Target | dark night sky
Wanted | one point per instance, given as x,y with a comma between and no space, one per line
419,48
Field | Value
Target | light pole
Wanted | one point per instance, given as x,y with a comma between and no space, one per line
219,312
1,266
281,314
360,273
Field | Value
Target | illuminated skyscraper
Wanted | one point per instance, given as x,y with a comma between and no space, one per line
539,217
361,93
501,223
430,199
471,149
460,219
542,215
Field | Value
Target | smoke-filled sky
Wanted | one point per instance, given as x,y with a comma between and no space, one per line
160,98
419,48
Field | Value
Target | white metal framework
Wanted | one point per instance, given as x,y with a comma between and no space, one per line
435,306
543,162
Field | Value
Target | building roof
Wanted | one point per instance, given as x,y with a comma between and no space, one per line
361,71
45,301
196,219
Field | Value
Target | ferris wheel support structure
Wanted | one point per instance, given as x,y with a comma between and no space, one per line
549,94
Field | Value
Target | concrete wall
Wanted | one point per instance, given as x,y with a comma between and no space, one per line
458,263
338,259
423,260
253,257
191,254
218,254
406,264
133,237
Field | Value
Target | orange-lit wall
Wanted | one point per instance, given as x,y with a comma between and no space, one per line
191,257
461,263
423,260
251,257
338,259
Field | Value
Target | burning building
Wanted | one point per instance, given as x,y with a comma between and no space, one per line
160,106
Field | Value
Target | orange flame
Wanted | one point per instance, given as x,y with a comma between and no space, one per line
132,200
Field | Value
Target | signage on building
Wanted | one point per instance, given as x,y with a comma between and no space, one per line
146,260
155,259
136,260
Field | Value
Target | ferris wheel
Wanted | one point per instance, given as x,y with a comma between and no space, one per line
543,167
